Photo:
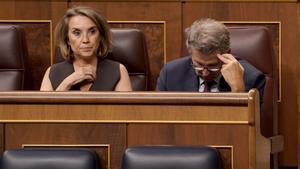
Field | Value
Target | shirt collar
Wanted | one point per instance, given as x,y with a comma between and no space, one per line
217,79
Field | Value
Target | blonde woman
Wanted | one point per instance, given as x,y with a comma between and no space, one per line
84,40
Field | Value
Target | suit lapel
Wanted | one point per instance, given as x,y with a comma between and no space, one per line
191,82
223,85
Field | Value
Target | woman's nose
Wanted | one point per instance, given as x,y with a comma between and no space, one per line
85,38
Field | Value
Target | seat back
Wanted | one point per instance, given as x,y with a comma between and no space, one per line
13,50
171,157
48,158
129,48
254,44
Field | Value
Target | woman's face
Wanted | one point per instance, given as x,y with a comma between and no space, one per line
84,37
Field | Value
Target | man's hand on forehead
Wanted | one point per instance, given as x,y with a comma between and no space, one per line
233,72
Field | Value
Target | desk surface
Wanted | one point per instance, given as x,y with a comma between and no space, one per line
229,121
124,107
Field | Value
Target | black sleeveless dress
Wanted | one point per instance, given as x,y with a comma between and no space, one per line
107,75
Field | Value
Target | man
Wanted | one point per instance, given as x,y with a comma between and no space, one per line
211,67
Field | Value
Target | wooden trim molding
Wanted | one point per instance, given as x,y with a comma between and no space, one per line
260,1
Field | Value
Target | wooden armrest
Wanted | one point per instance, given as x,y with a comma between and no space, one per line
277,143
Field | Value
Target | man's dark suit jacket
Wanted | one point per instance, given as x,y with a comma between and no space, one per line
179,75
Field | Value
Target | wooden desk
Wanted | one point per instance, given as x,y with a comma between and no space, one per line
112,121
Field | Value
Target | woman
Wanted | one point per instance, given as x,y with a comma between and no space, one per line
84,40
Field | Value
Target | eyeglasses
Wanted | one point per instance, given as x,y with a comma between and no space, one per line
200,68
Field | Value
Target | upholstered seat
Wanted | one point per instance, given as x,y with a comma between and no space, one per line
129,48
48,158
13,50
171,157
253,43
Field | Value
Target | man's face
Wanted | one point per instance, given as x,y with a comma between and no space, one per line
208,67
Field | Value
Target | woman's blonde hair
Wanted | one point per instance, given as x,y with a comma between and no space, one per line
62,28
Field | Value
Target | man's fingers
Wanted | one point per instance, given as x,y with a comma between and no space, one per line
223,59
226,58
89,77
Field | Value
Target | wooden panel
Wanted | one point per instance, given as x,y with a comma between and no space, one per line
70,134
298,47
58,9
219,119
7,10
176,21
34,9
141,11
203,0
110,113
214,135
287,108
102,107
37,34
38,38
31,10
287,14
1,138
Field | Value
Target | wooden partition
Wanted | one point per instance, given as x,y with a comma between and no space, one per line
177,15
112,121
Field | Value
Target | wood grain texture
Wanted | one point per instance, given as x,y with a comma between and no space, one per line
102,106
179,98
298,131
195,135
212,123
179,15
2,138
110,113
37,33
196,0
70,134
38,38
287,14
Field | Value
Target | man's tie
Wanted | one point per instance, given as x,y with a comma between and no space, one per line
208,85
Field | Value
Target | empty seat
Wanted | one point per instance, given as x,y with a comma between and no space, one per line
171,157
13,50
49,158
